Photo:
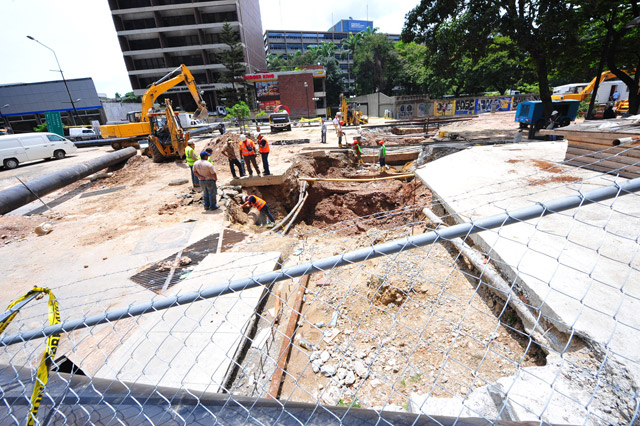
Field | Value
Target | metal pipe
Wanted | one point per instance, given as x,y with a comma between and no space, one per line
462,230
17,196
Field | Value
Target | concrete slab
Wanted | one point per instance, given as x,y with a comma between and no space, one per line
580,267
192,346
276,177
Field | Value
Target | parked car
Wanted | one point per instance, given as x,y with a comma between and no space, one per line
82,134
24,147
279,121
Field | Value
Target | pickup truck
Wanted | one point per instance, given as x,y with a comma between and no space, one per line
279,121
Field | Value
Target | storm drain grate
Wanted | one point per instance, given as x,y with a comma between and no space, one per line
230,238
102,191
160,276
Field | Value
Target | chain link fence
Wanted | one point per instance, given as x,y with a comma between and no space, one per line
412,316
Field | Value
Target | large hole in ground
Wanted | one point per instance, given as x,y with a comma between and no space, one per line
366,204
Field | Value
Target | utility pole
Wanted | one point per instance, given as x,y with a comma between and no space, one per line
73,105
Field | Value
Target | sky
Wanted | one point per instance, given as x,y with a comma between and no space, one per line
82,35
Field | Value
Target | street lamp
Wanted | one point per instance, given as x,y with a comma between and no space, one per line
306,91
75,112
4,118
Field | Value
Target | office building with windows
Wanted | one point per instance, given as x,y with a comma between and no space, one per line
285,42
157,36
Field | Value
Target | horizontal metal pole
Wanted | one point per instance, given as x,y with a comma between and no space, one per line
391,247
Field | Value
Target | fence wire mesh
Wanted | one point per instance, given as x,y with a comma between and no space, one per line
531,321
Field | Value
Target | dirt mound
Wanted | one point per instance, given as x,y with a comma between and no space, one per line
135,170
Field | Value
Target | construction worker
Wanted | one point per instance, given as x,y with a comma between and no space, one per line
192,157
207,174
382,156
358,152
248,152
261,205
210,151
323,131
263,147
229,152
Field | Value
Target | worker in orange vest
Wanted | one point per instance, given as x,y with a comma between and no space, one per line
261,205
263,147
248,152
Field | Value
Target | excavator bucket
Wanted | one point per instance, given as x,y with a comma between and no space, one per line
201,113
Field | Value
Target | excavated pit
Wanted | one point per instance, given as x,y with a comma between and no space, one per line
366,204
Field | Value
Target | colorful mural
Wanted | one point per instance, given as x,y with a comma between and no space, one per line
443,108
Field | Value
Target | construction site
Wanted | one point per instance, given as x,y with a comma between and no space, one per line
472,280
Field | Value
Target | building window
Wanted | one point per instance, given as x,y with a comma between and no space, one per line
216,18
139,24
144,44
175,21
149,63
131,4
212,38
187,40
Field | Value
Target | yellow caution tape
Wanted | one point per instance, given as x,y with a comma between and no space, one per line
42,375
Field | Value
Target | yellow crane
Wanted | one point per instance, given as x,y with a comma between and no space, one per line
606,75
139,126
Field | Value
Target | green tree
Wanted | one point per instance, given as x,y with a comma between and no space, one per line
375,64
239,111
233,60
413,75
540,28
129,97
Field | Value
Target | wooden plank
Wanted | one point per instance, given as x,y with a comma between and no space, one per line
603,155
285,349
607,165
598,168
629,151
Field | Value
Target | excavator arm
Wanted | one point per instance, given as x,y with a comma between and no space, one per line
175,77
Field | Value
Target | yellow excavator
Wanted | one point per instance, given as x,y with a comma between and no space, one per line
582,95
167,139
351,116
139,126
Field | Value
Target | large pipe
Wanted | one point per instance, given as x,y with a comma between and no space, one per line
17,196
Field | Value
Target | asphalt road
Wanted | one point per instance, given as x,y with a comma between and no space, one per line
36,169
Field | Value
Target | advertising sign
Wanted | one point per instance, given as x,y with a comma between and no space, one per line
54,122
357,26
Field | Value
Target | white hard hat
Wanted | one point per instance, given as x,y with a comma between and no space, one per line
255,134
243,137
244,198
554,112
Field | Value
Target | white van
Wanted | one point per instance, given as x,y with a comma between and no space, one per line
23,147
81,134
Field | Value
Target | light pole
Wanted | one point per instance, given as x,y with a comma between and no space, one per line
75,112
306,91
4,118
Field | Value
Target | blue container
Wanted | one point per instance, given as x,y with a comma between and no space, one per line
529,114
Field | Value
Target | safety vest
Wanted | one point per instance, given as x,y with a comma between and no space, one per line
247,148
356,148
383,151
190,155
262,149
259,203
210,159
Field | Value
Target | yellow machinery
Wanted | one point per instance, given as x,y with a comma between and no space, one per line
351,116
139,126
167,139
586,91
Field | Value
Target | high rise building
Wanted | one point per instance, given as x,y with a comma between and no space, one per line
286,42
157,36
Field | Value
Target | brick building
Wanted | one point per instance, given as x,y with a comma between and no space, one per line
157,36
303,92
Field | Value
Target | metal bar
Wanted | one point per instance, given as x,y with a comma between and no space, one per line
391,247
36,195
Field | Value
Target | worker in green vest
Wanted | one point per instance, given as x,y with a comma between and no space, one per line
382,156
191,158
